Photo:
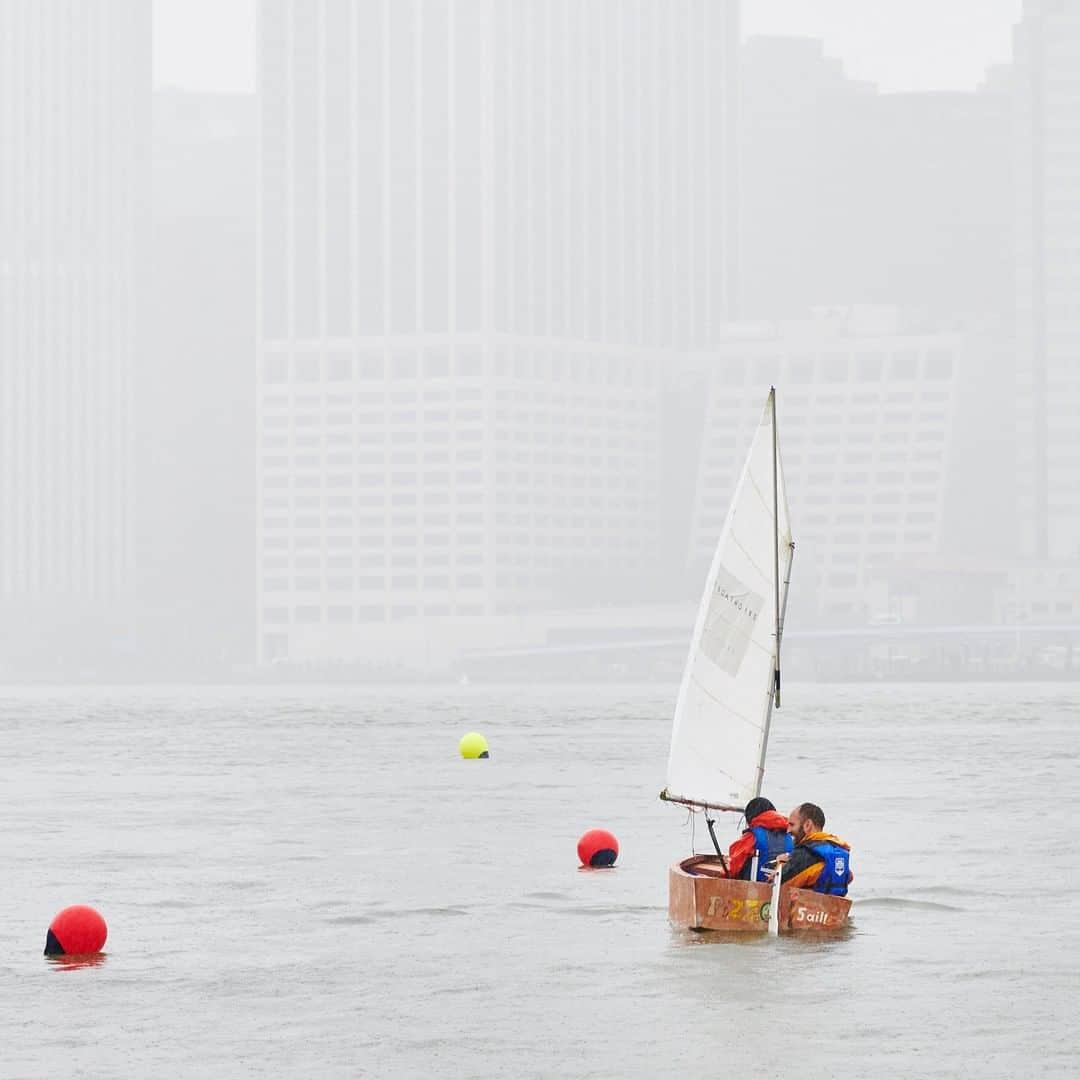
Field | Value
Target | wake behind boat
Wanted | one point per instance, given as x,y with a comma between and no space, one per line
729,687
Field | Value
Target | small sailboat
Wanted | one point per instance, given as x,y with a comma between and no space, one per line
729,688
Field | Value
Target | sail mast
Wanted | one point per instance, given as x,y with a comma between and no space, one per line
776,549
774,694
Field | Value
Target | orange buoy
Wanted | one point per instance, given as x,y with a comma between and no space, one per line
598,848
76,931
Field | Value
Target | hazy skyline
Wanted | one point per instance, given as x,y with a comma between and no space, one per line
916,45
525,269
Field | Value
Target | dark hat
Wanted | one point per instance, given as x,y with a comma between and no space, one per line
757,806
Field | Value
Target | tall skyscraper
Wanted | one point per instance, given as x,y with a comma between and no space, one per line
1047,53
195,421
483,227
74,127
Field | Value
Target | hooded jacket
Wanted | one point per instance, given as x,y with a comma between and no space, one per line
803,869
742,851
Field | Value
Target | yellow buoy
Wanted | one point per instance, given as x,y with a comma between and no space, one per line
473,745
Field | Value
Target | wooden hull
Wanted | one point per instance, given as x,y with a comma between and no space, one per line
700,899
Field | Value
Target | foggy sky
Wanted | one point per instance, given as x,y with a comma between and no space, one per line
901,46
911,45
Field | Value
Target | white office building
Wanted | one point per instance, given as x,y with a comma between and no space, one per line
483,228
865,422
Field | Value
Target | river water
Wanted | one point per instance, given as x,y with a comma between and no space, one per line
310,882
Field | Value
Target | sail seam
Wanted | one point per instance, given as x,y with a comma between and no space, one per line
766,503
738,543
727,708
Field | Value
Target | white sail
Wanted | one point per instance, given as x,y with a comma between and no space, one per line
722,715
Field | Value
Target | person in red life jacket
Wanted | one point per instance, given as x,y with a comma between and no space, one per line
766,834
820,861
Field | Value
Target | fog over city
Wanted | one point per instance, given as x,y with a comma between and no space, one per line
363,340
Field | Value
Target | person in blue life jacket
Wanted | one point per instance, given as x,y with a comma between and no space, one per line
766,835
820,861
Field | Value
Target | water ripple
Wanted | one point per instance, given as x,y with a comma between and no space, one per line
904,902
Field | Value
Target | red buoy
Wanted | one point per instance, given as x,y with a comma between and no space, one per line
598,847
76,931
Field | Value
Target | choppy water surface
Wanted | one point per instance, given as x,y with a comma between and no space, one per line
310,882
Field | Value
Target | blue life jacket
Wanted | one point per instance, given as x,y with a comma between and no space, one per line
768,843
834,872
